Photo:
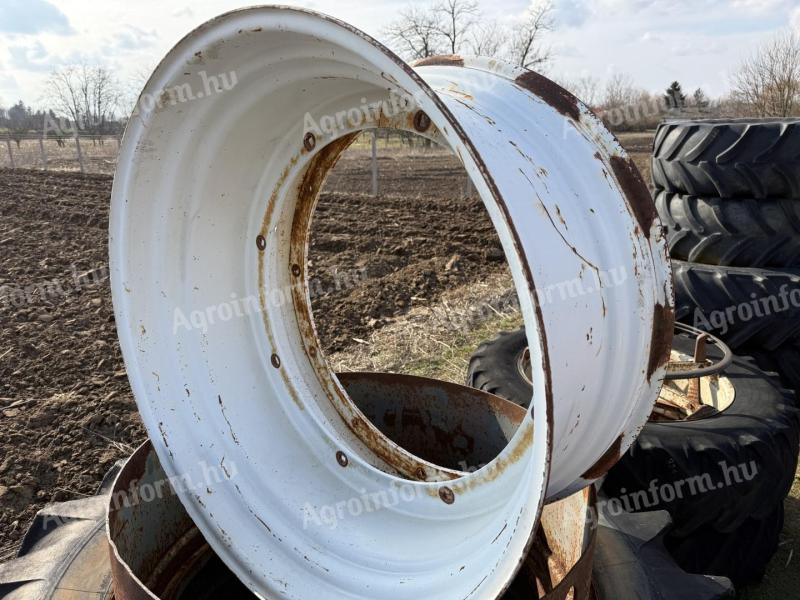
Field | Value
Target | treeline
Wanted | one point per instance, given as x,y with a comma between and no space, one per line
21,121
625,107
89,99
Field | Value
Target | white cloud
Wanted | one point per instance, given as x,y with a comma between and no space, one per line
186,11
655,41
762,6
31,17
133,38
30,57
698,47
572,13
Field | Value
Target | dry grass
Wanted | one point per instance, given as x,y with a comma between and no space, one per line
437,341
98,158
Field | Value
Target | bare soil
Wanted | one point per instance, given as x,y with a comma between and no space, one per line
66,411
376,258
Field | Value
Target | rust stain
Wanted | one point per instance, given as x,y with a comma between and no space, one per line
499,466
444,60
604,464
307,195
552,93
405,463
443,426
635,190
422,121
225,416
497,537
661,340
561,217
454,90
163,434
263,232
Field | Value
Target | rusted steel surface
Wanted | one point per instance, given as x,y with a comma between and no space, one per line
449,60
695,394
661,340
696,386
552,93
609,458
559,564
635,189
453,426
157,552
696,368
210,216
152,539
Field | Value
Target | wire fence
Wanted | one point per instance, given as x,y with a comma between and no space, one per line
98,154
83,153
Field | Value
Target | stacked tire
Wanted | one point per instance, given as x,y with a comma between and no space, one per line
728,193
722,475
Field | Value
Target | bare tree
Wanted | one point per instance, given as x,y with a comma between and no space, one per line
768,83
585,88
456,27
620,91
455,22
416,33
88,96
625,107
487,39
526,46
700,101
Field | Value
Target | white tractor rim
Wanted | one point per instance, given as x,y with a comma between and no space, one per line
210,209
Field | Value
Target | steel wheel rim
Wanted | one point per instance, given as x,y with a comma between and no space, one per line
155,250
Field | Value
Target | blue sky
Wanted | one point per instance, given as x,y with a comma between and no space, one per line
698,42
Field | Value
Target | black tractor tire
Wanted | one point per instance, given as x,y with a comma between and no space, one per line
64,553
783,360
742,306
757,436
495,368
632,563
748,158
731,232
739,555
722,469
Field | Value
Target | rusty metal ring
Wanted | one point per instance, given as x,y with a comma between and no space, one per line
696,372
